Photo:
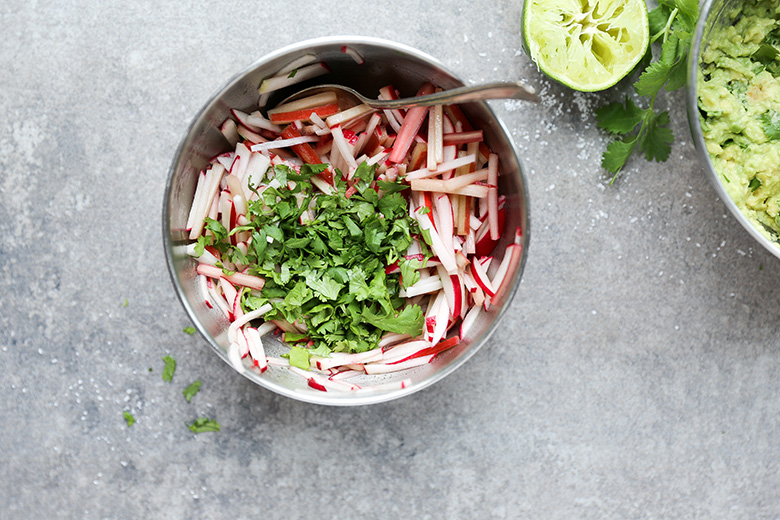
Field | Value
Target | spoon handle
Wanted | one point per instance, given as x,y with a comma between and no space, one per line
501,90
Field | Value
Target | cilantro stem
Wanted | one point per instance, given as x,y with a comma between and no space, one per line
649,112
667,27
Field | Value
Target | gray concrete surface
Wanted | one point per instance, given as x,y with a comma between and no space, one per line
635,376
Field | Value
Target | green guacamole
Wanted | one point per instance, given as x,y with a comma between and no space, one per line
739,102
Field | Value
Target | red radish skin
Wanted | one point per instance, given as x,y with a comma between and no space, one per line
480,276
315,385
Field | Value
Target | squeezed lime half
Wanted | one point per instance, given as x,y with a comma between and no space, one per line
587,45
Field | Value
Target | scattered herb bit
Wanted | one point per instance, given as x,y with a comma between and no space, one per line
170,368
293,73
150,369
189,330
125,304
203,424
299,357
644,129
129,419
191,390
755,183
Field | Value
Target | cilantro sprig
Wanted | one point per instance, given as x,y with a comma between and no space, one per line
645,129
324,258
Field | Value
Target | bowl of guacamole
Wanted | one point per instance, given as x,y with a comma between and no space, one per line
734,109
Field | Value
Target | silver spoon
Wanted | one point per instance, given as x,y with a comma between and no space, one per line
506,90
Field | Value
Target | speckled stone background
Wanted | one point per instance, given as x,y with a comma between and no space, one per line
635,376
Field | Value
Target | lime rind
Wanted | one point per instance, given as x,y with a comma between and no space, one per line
587,45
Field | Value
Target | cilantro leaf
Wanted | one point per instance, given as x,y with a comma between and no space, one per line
200,245
678,75
619,119
203,424
169,369
657,19
770,123
391,187
189,330
216,227
409,321
321,351
191,390
653,78
409,272
658,140
298,295
129,419
690,10
323,285
755,183
617,154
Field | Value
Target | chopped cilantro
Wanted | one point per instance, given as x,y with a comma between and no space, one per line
189,330
201,244
125,304
129,419
329,272
408,321
170,368
755,183
191,390
203,424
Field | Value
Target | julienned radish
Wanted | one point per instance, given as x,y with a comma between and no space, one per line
452,190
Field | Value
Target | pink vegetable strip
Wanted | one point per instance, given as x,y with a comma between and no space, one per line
244,280
285,80
379,368
246,318
210,187
493,196
442,168
411,125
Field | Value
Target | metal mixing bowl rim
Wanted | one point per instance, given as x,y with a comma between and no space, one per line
322,398
697,135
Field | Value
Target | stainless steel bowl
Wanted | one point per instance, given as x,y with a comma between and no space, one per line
385,63
713,13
